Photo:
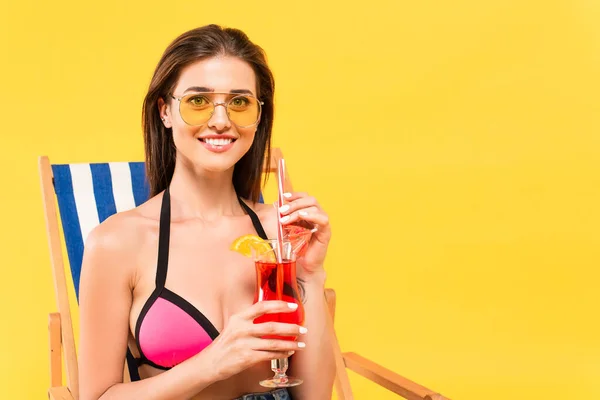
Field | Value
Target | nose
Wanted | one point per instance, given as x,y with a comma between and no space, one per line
219,120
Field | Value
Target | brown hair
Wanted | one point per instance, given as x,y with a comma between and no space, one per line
197,44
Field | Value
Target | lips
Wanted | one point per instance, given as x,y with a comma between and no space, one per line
217,145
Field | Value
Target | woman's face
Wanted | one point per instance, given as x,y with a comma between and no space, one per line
219,143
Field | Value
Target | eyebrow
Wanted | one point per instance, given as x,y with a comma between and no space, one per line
205,89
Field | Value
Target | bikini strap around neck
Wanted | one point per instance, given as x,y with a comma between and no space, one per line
163,240
255,221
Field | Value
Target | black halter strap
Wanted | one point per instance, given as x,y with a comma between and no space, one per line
164,234
255,221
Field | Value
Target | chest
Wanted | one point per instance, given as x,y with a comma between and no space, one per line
202,270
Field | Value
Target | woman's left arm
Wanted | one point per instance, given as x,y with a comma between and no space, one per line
315,364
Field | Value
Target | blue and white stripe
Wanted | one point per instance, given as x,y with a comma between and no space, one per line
88,194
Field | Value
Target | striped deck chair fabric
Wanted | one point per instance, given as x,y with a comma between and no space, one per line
87,194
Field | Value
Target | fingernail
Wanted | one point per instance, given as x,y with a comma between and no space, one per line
301,345
287,195
284,208
303,213
291,352
303,329
285,219
293,306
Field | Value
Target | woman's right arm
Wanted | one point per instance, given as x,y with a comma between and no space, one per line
105,304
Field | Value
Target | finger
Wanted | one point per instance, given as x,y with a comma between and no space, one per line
298,204
312,214
276,345
295,218
291,196
267,307
278,329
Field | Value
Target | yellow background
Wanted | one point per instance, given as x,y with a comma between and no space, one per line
455,145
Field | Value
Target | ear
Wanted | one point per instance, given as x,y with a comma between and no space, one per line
164,112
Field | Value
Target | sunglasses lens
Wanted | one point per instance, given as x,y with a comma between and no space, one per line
197,109
243,110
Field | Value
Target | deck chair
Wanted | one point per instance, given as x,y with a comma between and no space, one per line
87,194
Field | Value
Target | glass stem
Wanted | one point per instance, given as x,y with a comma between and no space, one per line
280,366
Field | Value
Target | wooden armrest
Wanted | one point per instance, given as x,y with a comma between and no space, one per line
60,393
389,379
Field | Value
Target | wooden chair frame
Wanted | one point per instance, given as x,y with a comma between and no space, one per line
62,341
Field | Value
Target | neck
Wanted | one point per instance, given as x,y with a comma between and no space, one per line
203,194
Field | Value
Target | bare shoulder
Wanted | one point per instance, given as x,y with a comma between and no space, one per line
115,244
120,231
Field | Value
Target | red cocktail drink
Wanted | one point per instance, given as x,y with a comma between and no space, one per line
277,281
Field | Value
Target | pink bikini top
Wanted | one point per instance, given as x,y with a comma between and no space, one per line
169,330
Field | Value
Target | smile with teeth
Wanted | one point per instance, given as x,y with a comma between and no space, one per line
217,142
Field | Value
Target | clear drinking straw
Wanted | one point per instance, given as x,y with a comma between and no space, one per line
280,180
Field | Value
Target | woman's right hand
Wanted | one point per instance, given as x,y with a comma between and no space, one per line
241,345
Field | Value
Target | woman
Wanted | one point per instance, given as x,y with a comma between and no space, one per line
160,279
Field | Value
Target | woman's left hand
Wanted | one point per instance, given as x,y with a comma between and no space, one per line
302,207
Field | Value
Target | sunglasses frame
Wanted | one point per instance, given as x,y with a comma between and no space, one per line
224,104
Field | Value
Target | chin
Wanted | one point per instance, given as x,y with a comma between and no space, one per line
215,163
213,168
